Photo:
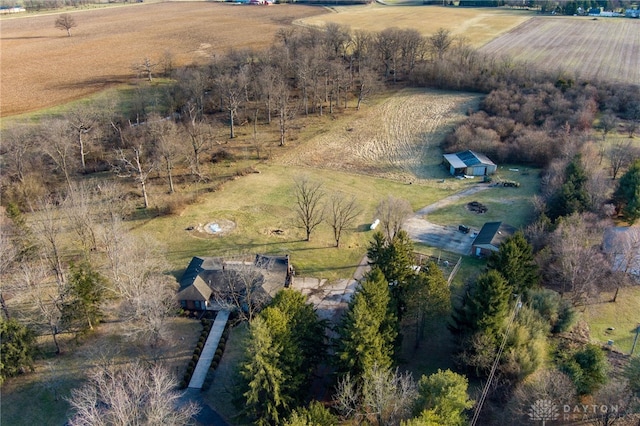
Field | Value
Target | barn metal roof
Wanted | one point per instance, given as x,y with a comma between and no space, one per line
467,158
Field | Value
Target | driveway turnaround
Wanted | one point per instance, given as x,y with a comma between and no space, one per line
447,238
209,350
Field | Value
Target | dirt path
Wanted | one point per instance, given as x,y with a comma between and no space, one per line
451,199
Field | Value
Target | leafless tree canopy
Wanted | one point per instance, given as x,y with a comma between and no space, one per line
385,397
65,22
440,42
309,208
547,384
574,263
133,394
393,212
241,289
342,212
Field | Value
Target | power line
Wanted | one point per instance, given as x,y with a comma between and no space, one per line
496,361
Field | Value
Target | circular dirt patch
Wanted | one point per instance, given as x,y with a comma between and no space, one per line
216,227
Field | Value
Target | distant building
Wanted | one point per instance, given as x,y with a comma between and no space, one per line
632,13
469,163
490,237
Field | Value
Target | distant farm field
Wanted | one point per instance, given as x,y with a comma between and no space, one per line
606,48
42,67
477,25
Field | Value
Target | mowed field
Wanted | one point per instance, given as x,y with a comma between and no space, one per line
477,25
42,67
606,48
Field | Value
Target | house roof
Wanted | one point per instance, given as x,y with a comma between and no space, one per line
199,290
467,158
206,276
492,235
191,273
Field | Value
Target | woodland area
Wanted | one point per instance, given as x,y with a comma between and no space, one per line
85,172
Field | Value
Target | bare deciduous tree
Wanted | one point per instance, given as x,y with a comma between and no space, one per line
45,299
65,22
384,397
241,289
84,121
621,155
286,111
137,163
130,394
149,310
365,85
342,212
18,143
57,143
309,208
616,393
440,42
49,227
574,263
200,135
393,212
146,67
80,208
547,384
165,139
608,122
233,90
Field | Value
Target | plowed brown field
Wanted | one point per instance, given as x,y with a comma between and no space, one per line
606,48
42,67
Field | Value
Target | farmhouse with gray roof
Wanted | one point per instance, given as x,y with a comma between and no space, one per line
214,283
469,163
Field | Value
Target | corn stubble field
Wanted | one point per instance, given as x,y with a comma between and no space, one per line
604,49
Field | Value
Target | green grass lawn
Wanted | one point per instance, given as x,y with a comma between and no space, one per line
264,202
510,205
623,316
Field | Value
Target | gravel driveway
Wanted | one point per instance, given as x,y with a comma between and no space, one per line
444,237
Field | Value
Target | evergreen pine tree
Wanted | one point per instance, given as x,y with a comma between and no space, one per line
572,197
516,264
85,292
485,309
627,194
17,346
368,330
263,377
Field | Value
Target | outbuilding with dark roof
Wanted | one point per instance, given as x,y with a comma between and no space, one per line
490,237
